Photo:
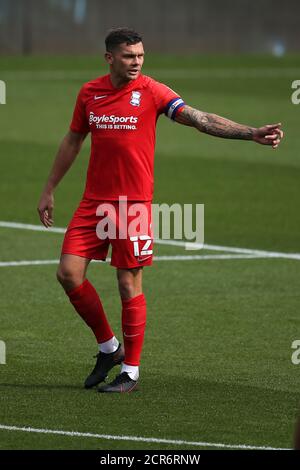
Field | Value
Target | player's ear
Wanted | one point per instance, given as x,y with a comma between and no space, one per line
108,57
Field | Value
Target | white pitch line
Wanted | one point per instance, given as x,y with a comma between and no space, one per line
229,249
37,262
37,228
187,245
137,438
203,257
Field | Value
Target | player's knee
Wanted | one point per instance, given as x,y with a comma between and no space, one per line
68,278
127,289
61,275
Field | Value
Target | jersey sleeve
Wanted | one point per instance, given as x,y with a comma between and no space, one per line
167,100
79,121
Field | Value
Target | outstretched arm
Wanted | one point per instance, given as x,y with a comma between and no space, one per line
219,126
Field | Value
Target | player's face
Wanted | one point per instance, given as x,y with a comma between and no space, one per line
126,61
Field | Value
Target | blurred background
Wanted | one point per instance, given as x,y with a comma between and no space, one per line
78,26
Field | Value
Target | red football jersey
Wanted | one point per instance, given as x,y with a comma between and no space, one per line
122,122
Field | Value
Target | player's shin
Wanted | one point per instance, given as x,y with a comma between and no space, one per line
133,326
87,303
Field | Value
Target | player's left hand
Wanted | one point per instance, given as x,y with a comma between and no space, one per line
271,134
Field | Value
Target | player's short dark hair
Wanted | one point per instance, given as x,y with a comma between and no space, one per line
119,36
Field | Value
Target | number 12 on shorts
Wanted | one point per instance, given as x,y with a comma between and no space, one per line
145,245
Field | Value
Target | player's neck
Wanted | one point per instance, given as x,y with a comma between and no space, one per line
119,82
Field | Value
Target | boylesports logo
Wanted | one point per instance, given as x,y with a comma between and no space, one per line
112,121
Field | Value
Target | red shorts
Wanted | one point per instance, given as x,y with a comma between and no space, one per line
126,226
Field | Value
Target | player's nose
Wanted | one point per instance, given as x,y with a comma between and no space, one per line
137,60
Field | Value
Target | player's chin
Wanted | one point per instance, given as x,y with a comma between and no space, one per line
133,74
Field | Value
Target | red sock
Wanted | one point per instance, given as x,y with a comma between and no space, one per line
87,303
133,326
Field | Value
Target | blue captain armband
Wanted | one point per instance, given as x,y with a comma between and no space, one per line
173,106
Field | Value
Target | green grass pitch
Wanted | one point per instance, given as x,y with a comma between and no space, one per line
216,365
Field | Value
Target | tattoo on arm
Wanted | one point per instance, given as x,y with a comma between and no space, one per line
213,124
